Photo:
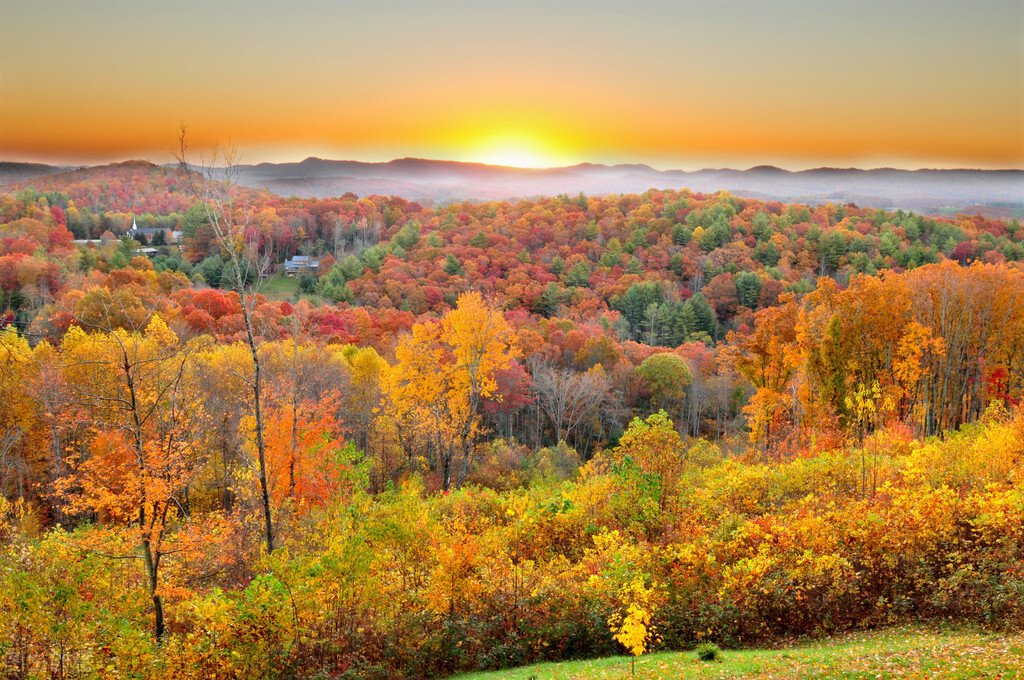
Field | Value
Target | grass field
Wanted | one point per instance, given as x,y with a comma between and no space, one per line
280,288
898,652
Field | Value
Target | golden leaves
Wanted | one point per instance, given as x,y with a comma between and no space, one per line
634,630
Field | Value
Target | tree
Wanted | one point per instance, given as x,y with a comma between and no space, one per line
703,316
655,446
667,375
452,266
634,630
768,358
333,285
578,275
748,289
569,398
140,393
16,418
350,268
215,192
721,294
444,370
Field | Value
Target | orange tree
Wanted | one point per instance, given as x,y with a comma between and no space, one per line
140,393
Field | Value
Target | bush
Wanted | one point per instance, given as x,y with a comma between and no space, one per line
709,652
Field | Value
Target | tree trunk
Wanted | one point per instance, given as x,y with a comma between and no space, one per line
258,414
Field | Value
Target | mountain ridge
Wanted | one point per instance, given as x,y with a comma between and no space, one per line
926,189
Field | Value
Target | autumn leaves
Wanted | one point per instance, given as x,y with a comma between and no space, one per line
443,371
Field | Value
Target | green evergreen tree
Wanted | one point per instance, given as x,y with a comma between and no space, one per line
334,286
681,234
675,264
704,320
748,288
118,261
579,275
557,266
373,257
762,226
408,236
351,268
452,266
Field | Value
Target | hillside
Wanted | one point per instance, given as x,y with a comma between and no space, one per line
11,173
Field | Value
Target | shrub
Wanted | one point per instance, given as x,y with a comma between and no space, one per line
708,652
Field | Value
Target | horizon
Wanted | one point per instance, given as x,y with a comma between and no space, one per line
71,166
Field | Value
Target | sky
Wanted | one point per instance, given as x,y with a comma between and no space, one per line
675,84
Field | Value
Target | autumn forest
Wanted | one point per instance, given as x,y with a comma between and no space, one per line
245,435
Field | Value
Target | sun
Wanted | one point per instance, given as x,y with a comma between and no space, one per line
514,157
515,150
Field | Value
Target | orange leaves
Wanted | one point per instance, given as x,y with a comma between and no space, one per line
918,354
768,358
916,347
106,480
303,450
454,586
762,411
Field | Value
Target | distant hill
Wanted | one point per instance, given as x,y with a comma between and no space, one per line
921,190
16,172
131,186
991,192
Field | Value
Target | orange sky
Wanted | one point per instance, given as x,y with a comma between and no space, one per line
672,83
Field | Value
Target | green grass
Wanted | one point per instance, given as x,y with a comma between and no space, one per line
280,288
898,652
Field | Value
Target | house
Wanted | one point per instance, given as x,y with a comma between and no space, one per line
149,233
301,264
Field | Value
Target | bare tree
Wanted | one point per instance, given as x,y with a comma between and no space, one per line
213,188
570,399
13,468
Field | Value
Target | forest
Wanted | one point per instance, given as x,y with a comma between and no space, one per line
477,435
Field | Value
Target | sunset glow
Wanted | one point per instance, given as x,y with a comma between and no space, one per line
515,150
687,84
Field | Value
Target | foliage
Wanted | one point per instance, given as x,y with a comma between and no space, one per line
478,578
708,652
633,630
467,448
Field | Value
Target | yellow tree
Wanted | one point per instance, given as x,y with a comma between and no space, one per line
361,405
443,372
140,393
16,416
634,630
655,445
